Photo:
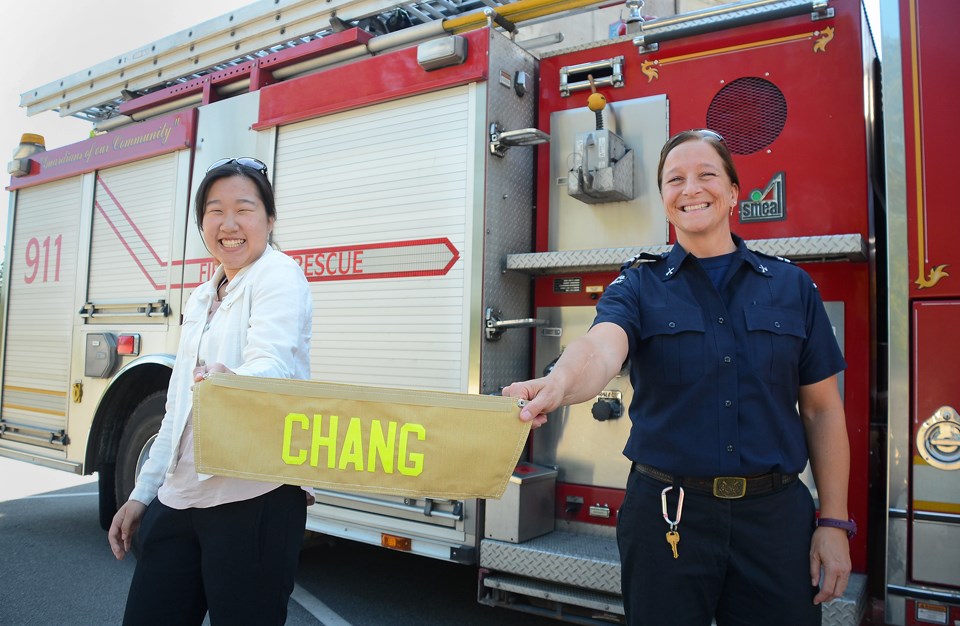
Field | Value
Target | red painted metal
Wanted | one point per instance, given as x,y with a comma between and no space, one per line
850,283
318,47
931,126
130,143
259,71
601,496
822,148
370,81
205,85
932,611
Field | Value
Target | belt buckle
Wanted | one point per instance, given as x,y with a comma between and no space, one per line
729,487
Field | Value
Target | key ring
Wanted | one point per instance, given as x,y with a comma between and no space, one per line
663,501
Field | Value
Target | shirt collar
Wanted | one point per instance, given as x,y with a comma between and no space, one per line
674,260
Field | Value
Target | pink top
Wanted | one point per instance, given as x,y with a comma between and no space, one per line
183,489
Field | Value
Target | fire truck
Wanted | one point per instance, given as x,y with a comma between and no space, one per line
458,210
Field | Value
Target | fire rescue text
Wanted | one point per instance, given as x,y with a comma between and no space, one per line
347,453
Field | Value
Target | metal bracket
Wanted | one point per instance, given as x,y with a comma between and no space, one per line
575,77
821,14
500,140
149,309
493,326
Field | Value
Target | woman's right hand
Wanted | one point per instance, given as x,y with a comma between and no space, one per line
125,524
541,398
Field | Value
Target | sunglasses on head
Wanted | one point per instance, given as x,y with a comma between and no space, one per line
709,133
250,162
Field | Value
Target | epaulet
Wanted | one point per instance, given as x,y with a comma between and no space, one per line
772,256
643,257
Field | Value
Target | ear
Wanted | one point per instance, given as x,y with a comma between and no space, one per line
735,195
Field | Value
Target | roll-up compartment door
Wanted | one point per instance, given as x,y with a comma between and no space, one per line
130,263
40,313
377,205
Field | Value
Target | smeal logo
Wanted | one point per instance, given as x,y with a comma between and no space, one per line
768,205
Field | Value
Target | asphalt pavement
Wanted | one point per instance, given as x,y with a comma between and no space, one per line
57,569
55,564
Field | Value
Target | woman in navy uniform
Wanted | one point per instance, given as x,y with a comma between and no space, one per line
724,346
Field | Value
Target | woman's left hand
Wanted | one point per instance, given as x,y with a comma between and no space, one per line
829,550
201,372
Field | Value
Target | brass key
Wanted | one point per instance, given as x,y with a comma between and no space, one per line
673,538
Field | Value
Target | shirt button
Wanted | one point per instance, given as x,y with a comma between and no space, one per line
727,359
777,324
729,448
720,321
672,324
727,403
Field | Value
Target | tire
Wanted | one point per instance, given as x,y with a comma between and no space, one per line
107,489
138,436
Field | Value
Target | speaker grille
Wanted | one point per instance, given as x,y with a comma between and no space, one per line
749,112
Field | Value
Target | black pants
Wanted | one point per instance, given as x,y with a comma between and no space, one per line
743,562
237,560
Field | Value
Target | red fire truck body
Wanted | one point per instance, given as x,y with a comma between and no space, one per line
458,211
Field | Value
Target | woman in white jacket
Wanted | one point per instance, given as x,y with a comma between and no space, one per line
210,543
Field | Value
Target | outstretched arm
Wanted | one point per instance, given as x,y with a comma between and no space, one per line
582,371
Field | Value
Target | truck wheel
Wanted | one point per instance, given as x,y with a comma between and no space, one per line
138,436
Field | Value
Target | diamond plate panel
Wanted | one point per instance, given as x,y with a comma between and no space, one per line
805,249
508,216
564,558
849,609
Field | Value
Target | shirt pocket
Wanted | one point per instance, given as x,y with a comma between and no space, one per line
671,345
775,339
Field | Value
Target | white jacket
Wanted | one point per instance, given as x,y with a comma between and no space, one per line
266,329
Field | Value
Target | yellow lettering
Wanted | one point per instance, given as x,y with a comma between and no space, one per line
381,447
330,441
352,446
415,457
288,421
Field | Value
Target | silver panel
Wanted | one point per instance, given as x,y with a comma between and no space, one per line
848,609
899,448
936,552
554,593
565,558
819,248
585,450
573,225
893,612
507,226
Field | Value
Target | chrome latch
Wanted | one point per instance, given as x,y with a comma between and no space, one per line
493,326
500,139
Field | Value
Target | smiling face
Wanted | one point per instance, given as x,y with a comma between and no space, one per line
235,224
698,195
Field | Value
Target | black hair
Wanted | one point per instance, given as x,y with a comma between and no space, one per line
232,168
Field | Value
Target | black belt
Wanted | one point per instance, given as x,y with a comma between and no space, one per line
726,487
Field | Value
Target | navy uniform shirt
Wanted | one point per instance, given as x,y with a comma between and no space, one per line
716,373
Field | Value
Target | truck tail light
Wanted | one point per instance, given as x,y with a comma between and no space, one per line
128,344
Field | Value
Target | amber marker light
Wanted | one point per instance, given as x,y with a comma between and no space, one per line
395,543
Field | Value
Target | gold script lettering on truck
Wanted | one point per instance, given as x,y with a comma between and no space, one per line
458,211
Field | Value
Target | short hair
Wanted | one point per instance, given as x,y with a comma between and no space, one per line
232,168
709,136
